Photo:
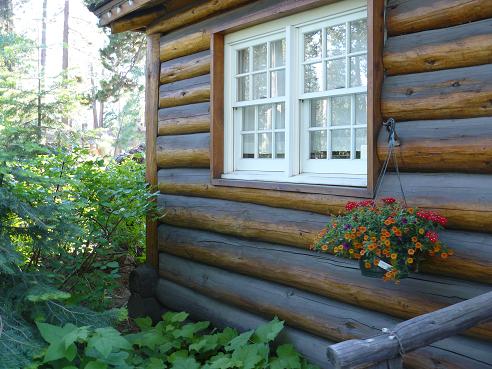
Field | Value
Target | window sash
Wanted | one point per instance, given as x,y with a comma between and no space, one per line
293,168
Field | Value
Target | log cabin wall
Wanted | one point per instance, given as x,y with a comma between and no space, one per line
238,256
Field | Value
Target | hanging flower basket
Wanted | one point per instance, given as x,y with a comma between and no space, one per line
388,240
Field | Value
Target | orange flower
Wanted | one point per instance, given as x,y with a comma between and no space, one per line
362,229
357,256
376,262
347,236
437,248
367,265
394,229
410,260
418,245
387,243
398,233
394,256
373,239
411,251
444,255
362,252
421,230
372,246
383,238
366,237
389,221
324,247
410,210
414,239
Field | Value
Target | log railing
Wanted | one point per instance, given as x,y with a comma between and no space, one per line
385,351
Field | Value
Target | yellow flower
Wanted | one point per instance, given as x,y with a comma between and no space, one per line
421,230
410,260
394,256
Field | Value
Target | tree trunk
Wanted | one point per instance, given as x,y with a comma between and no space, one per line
66,16
101,114
43,39
6,13
94,98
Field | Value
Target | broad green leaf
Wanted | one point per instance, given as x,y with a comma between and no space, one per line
155,363
96,365
175,317
269,331
182,354
287,358
189,330
186,363
248,356
144,323
239,341
221,361
105,340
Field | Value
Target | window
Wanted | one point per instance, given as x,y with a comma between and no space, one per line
296,99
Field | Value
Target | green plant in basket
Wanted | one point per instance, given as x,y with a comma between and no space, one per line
389,240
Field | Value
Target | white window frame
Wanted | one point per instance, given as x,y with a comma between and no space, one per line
293,168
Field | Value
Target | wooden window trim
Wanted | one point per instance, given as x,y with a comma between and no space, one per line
375,23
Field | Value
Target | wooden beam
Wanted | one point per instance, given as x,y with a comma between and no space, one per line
446,94
413,334
120,8
183,151
184,119
137,21
408,16
465,199
186,67
201,307
325,275
193,15
460,145
151,107
472,259
185,45
217,106
454,47
189,95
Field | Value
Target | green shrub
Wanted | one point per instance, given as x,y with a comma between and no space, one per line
172,343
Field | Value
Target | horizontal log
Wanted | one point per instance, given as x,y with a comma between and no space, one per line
461,145
185,67
446,94
183,151
201,307
184,119
413,334
466,200
322,274
407,16
137,21
455,47
193,15
185,45
188,91
473,251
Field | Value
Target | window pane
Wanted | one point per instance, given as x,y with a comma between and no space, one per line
243,61
280,145
265,145
312,45
340,144
358,71
317,145
361,109
243,88
358,35
277,53
248,146
312,77
335,74
278,83
340,111
360,143
248,118
264,117
259,86
335,40
259,57
318,112
280,116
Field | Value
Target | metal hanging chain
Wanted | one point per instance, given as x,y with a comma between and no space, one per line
393,142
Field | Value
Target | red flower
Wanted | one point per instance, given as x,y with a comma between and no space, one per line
432,236
389,200
366,203
351,206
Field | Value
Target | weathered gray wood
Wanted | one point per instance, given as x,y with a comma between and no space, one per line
445,94
465,199
459,145
323,274
184,111
183,150
472,259
388,364
185,84
200,307
185,67
309,312
413,334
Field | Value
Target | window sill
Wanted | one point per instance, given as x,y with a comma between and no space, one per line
342,185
